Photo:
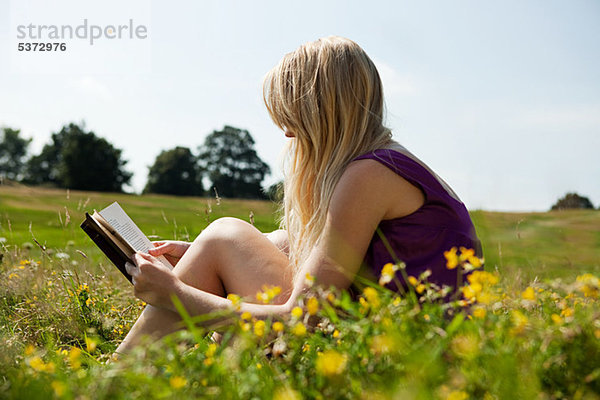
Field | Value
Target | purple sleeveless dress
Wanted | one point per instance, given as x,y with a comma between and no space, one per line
420,239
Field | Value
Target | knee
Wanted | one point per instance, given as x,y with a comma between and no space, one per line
225,229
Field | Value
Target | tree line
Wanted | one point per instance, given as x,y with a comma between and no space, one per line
76,158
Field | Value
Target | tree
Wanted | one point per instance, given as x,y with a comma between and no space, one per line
81,160
572,200
176,172
231,163
13,149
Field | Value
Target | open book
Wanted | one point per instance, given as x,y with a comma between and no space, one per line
115,233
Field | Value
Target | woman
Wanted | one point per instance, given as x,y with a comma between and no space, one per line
345,177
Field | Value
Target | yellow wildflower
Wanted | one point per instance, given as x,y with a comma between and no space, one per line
451,258
74,355
528,294
235,300
259,328
296,312
59,388
382,344
331,363
286,393
336,333
567,312
556,319
29,350
479,312
312,306
309,280
420,288
372,296
278,326
412,280
177,382
268,293
211,350
246,316
520,322
387,273
90,344
457,395
589,285
299,329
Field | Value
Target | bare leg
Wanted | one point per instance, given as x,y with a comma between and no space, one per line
229,256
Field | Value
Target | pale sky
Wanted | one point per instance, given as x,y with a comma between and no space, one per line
500,98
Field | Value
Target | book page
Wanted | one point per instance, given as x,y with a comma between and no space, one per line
128,230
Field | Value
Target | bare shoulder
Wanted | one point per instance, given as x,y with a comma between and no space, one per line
368,183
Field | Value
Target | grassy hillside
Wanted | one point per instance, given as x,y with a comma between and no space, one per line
505,337
520,245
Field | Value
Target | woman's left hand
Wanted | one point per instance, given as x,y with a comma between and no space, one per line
153,282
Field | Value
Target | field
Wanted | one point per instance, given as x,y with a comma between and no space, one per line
531,328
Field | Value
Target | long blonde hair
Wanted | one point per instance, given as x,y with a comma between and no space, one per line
328,93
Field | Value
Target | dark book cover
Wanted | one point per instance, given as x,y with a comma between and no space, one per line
104,243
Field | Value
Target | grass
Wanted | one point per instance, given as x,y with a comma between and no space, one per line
512,336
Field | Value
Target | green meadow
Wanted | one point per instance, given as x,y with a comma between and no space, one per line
527,327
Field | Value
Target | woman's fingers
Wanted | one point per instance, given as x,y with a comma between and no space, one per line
162,248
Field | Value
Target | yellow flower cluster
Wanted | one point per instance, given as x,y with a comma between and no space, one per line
388,272
589,285
466,258
268,293
480,287
331,363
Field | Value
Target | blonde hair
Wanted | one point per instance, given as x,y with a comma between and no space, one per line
328,93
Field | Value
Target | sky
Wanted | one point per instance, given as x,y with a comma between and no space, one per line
500,98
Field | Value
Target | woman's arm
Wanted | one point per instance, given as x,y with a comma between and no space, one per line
358,204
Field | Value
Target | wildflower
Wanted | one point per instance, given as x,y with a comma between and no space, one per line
420,288
305,347
268,293
177,382
211,350
312,306
74,355
59,388
520,322
451,258
372,296
479,312
309,280
330,297
297,312
29,350
397,301
259,328
90,344
412,280
457,395
382,344
245,326
12,275
258,366
278,326
299,329
387,273
426,317
331,363
246,316
286,393
556,319
528,294
589,285
465,346
336,333
567,312
235,300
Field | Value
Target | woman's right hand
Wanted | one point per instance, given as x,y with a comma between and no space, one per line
173,250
